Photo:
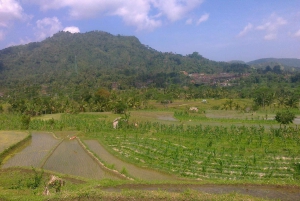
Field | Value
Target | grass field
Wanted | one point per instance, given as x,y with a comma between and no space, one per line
15,185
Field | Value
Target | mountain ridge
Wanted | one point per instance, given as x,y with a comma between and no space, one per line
97,58
286,62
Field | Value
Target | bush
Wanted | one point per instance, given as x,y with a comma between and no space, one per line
285,117
25,122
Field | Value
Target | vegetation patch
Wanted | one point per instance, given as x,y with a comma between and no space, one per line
211,152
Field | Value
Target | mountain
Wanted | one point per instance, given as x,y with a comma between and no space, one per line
97,59
287,63
237,61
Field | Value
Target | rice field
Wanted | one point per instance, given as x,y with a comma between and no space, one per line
33,154
136,172
59,155
70,158
173,144
212,152
9,138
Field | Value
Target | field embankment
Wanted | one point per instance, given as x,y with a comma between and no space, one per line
11,141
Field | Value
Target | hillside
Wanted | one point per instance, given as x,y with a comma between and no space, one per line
287,63
97,59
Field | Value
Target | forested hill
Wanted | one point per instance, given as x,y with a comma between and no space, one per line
97,59
285,62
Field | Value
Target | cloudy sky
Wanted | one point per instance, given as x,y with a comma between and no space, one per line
219,30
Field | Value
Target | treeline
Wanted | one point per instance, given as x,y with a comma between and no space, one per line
31,100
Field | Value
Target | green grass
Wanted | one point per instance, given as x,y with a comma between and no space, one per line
16,184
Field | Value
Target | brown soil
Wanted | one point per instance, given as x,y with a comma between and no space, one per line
284,193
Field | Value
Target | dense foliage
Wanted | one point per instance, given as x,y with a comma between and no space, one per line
97,71
97,59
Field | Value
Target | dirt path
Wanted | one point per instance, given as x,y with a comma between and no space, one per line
283,193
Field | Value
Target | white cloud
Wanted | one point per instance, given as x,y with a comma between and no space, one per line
271,26
10,10
137,14
246,29
175,9
203,18
297,34
270,36
143,14
189,21
72,29
47,27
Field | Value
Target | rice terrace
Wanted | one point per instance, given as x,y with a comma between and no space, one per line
160,153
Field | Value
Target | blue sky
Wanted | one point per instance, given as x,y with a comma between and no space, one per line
220,30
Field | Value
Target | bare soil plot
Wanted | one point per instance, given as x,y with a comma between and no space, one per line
32,155
134,171
9,138
70,158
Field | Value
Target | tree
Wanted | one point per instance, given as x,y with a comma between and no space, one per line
285,117
263,96
120,107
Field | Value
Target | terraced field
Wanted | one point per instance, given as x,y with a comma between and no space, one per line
209,152
118,164
9,138
171,151
59,155
70,158
34,153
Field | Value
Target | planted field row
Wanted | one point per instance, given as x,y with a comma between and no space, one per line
215,152
121,166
